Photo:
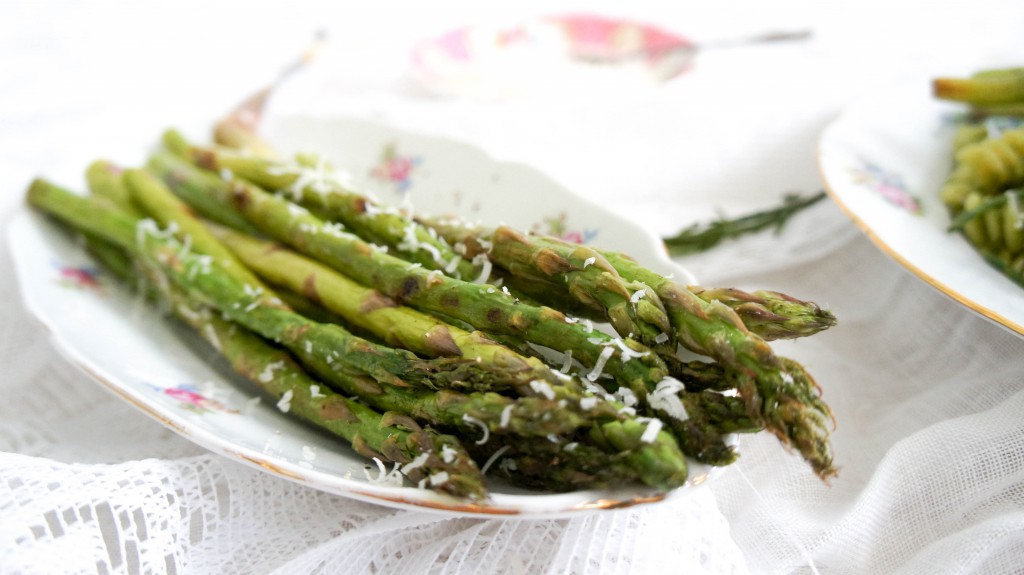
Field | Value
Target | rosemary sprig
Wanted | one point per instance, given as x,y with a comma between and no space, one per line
700,236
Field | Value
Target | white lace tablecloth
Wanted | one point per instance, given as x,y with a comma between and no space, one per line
928,396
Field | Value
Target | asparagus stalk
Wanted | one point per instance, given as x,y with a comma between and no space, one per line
334,350
632,308
192,185
396,325
658,472
778,391
322,190
633,365
770,314
157,201
441,462
151,193
105,180
363,306
655,462
486,308
597,460
572,277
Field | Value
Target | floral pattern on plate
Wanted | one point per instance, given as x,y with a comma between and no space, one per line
191,398
83,277
558,227
395,168
887,183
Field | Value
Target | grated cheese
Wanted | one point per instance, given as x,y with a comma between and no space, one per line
285,403
494,457
416,463
335,229
474,421
296,209
595,373
453,265
567,364
542,388
251,404
626,396
448,453
267,375
665,397
651,432
485,268
506,416
384,477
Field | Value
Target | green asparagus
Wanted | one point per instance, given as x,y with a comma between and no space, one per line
329,344
440,460
778,391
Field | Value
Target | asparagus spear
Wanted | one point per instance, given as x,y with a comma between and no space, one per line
320,189
157,201
484,307
364,306
328,344
656,463
778,391
192,185
591,462
570,467
367,308
630,307
770,314
440,460
149,192
632,365
105,180
663,443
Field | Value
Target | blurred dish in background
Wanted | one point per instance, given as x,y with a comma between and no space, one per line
550,53
559,53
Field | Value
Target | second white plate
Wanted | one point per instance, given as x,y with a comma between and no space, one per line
883,161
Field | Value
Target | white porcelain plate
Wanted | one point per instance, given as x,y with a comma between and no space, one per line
883,161
172,376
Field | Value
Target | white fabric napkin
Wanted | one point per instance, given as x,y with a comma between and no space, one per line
927,395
